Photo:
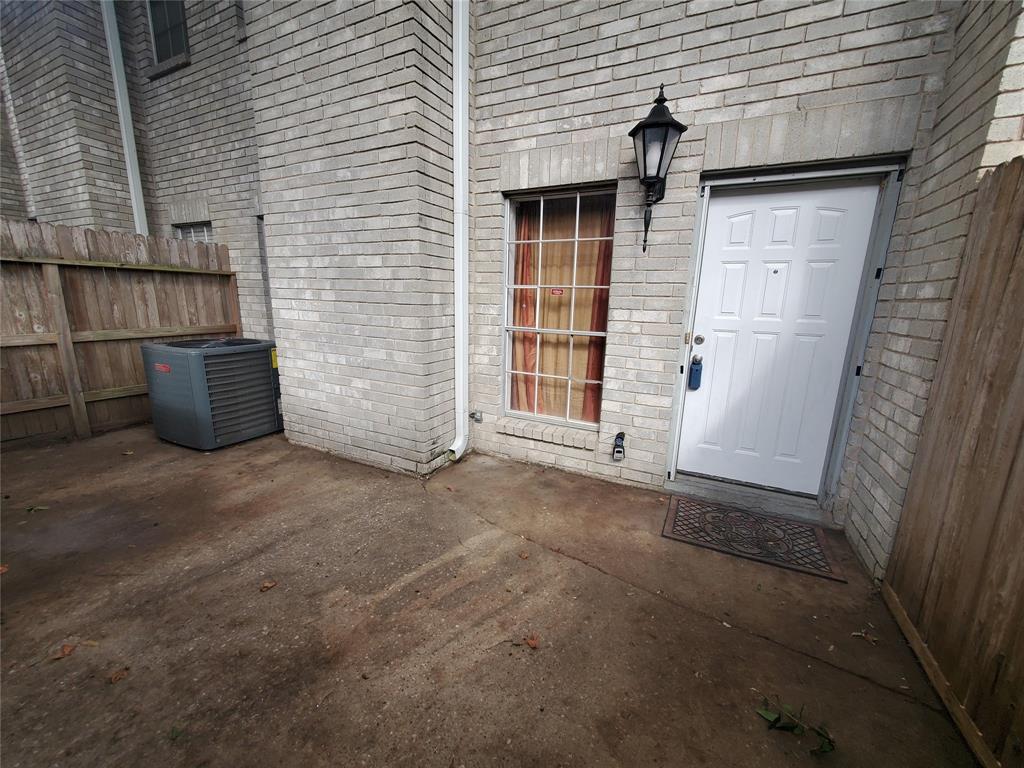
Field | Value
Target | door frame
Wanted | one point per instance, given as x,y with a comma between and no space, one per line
890,176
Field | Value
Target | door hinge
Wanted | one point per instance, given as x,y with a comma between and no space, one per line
686,338
682,368
857,372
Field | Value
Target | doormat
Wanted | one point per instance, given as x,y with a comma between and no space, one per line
753,535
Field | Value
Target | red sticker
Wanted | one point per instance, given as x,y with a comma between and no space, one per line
161,367
557,291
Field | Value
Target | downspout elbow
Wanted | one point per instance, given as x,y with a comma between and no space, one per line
458,448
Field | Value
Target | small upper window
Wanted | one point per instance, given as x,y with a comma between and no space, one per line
170,35
557,276
199,232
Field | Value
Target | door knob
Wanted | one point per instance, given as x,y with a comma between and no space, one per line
698,339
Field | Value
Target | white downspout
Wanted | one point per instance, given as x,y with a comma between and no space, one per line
124,116
460,149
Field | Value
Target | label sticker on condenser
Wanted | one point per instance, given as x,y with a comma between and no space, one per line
161,367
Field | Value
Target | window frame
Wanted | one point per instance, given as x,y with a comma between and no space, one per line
191,226
508,286
176,61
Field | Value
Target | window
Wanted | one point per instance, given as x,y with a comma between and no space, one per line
557,275
199,232
170,35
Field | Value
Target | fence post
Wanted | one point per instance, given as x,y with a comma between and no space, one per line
66,350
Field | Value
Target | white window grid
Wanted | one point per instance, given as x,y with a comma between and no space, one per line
509,288
197,232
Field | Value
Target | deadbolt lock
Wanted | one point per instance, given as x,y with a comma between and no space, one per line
698,339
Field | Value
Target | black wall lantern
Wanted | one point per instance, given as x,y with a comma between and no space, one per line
655,138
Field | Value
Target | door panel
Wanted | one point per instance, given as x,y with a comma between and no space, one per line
780,277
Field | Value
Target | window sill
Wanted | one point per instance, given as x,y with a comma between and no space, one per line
569,436
169,65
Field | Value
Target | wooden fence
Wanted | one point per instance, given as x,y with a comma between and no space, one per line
77,304
956,580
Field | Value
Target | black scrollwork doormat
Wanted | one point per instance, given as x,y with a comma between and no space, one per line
756,536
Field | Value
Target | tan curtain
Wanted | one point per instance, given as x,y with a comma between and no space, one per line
599,318
593,268
524,310
556,303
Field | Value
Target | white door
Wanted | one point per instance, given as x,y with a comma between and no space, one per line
778,288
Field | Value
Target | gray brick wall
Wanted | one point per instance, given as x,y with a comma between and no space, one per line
759,84
90,91
12,192
976,123
195,132
353,121
63,102
194,128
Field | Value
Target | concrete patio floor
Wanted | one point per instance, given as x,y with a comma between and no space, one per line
394,634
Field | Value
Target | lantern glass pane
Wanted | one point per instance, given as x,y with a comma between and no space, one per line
655,146
638,146
670,149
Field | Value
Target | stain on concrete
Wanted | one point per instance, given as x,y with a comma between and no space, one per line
395,632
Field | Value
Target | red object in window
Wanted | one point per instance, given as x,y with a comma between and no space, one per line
161,367
557,291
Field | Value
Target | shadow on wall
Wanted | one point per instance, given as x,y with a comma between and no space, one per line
976,126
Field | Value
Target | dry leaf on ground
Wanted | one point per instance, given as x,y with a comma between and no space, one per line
524,555
267,584
119,675
533,641
865,635
65,650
